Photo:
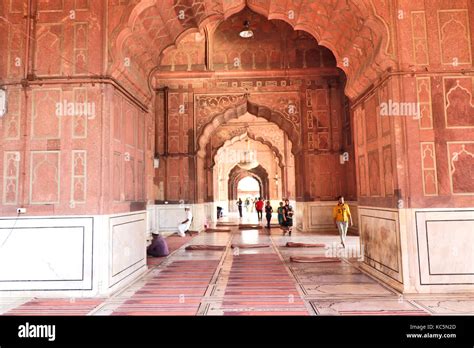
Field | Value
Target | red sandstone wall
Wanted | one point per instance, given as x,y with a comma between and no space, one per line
131,150
317,117
428,161
194,102
55,164
432,158
49,161
442,141
375,152
60,164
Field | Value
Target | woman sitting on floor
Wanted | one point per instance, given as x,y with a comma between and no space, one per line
158,246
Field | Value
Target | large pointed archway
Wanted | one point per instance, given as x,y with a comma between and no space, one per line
248,134
237,173
273,169
235,111
354,30
205,155
160,74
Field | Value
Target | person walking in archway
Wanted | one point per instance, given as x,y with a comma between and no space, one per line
239,206
268,213
287,218
247,204
280,214
259,208
342,218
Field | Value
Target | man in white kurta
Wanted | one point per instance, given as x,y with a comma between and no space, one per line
184,226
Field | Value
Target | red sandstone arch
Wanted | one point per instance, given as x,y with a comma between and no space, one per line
256,110
350,29
258,173
252,136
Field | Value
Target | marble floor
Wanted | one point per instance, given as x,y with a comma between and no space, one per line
241,280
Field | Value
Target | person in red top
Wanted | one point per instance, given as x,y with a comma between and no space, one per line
259,207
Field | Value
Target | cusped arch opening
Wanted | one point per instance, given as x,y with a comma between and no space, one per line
237,173
257,110
349,28
247,134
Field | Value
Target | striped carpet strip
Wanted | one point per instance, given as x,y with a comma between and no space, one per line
314,259
56,307
73,307
259,284
177,290
385,312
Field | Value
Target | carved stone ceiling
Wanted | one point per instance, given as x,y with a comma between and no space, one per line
349,28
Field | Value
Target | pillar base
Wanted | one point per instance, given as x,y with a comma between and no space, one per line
419,250
71,256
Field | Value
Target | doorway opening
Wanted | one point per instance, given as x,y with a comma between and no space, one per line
248,190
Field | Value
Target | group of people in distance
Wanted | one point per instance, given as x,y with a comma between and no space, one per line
285,213
341,215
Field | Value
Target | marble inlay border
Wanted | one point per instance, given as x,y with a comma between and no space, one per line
381,264
141,260
421,222
84,229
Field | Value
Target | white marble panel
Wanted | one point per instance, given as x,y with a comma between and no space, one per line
128,246
445,245
46,253
71,256
380,238
169,217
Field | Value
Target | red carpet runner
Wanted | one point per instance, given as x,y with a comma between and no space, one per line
259,284
177,290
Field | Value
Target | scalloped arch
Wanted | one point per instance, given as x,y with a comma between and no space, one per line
350,29
258,173
250,135
256,110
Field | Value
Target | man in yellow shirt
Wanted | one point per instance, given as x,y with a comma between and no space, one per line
342,218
